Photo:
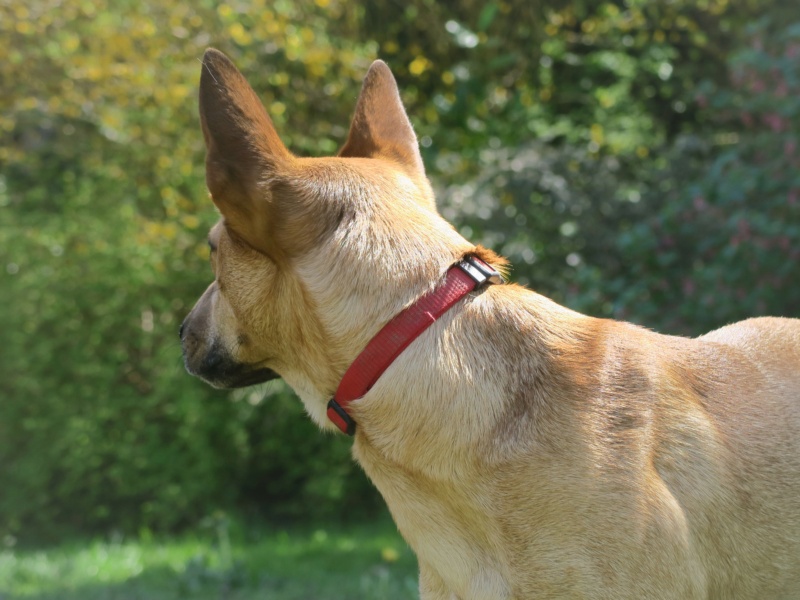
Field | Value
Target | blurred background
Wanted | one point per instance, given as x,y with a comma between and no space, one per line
634,159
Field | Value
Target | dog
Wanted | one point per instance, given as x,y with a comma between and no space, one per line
523,449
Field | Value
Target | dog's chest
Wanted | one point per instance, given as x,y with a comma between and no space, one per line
447,526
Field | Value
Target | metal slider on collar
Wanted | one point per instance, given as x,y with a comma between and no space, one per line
479,271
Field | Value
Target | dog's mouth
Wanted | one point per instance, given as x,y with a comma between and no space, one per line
246,378
238,376
219,370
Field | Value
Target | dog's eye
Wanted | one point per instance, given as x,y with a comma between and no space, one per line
212,257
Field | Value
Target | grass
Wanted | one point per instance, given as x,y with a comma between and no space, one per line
219,562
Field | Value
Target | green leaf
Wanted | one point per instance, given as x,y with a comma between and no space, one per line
487,16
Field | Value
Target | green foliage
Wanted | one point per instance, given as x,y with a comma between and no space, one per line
725,243
616,77
103,214
293,471
548,209
633,159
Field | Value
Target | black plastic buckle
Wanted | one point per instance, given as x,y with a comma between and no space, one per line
479,271
350,424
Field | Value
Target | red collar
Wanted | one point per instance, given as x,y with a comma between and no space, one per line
462,278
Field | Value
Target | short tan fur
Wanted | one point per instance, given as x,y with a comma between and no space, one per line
524,450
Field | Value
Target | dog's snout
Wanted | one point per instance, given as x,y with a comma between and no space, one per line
214,359
180,330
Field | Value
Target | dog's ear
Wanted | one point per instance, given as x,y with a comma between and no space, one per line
243,148
380,127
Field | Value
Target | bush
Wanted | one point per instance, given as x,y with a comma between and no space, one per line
631,201
723,240
100,426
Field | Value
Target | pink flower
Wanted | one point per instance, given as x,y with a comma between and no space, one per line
775,122
699,203
744,229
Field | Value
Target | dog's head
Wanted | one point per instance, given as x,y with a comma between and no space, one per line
312,255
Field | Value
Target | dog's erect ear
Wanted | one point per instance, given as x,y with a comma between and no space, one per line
380,127
243,148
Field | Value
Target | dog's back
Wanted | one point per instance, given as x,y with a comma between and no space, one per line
755,407
617,463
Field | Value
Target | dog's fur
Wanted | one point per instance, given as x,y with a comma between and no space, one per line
524,450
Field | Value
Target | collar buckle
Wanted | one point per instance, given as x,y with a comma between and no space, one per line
479,271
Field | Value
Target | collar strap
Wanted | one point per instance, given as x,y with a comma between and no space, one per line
463,277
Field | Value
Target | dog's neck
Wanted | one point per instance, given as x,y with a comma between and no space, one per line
468,274
355,284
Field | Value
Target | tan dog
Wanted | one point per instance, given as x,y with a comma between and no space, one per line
525,450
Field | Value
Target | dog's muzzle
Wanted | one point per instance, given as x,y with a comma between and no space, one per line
214,365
